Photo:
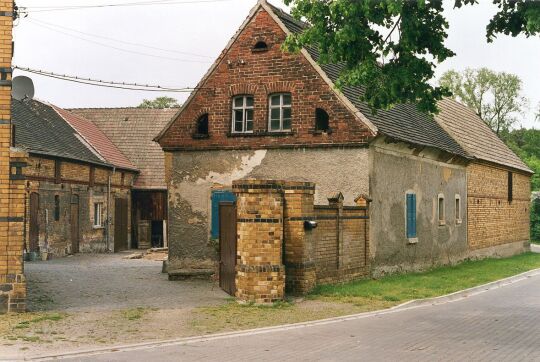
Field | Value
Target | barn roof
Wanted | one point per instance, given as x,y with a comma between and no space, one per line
39,129
132,131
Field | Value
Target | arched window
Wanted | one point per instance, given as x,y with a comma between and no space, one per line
202,125
322,120
260,46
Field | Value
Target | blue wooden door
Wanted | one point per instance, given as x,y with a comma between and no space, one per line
219,196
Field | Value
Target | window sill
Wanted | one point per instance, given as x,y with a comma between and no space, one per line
262,134
442,223
459,222
319,133
197,136
413,240
98,227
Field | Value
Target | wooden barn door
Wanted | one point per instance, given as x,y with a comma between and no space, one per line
34,222
227,247
74,222
120,224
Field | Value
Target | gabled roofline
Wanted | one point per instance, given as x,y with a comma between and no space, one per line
252,13
348,104
88,144
264,5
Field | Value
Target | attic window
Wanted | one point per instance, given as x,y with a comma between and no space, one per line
322,120
260,46
202,127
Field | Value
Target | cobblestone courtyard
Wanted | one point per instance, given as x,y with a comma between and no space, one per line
107,281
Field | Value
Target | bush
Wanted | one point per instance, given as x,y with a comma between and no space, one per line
535,220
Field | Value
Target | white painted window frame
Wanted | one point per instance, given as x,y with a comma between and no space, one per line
98,215
441,218
281,107
244,108
458,211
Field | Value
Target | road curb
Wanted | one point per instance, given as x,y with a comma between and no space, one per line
449,298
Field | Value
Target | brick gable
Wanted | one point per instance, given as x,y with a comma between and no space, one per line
241,70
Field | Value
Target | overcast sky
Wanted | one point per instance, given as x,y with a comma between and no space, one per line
194,33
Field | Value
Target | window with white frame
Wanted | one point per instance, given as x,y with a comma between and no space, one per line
458,209
242,114
440,209
280,112
98,214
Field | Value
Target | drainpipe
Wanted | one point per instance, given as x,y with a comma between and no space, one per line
108,231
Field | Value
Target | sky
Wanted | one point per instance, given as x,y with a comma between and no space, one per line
120,44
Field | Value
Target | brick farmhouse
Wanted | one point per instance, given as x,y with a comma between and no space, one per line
440,189
76,180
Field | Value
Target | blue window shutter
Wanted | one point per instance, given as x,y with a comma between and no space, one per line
411,216
217,198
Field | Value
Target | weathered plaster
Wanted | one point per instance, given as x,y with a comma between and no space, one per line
395,170
196,174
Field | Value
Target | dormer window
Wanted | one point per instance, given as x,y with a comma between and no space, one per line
242,114
322,120
280,112
260,46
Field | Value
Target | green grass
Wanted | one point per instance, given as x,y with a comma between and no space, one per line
134,314
400,288
535,242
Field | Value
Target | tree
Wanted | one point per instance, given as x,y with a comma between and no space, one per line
495,97
160,103
391,47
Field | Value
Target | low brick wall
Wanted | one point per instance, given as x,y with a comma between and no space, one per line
277,247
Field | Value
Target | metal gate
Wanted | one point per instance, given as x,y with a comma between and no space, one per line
120,224
227,246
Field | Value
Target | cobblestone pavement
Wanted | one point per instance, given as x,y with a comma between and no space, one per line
498,325
89,282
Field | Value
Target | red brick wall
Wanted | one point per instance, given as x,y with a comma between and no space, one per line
260,74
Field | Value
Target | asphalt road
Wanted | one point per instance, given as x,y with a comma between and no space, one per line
498,325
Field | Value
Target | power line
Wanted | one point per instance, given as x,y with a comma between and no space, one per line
107,84
27,10
119,49
37,22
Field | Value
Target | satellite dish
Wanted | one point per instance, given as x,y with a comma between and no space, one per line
22,87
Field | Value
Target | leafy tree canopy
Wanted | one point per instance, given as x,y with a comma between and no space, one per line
160,102
391,47
494,96
526,144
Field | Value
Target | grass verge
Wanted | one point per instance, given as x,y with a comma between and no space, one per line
363,296
440,281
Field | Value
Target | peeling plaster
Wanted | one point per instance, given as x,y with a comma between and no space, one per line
196,191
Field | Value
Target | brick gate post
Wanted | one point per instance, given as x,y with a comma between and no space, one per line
12,191
298,253
260,274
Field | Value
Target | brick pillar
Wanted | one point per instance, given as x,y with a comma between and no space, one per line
260,274
299,262
12,192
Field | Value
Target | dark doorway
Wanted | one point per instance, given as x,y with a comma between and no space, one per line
227,246
74,222
157,234
120,225
34,222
